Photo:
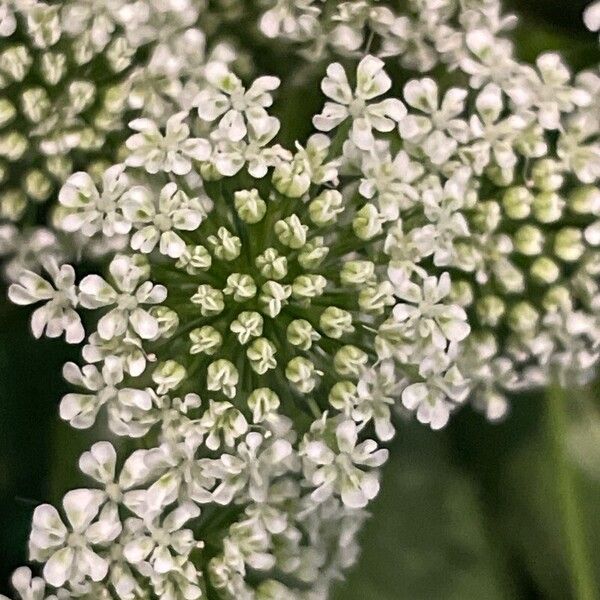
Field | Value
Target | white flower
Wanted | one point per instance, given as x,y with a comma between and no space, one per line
171,153
371,81
162,543
424,310
157,220
230,157
237,107
58,314
337,470
100,463
494,138
86,210
250,469
133,292
547,89
438,133
432,399
68,552
390,181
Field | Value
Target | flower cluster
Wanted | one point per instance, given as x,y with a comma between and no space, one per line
274,313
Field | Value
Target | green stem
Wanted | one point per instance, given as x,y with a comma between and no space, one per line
584,586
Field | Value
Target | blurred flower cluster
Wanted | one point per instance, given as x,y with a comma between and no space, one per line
257,320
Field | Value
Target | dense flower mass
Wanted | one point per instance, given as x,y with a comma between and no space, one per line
262,318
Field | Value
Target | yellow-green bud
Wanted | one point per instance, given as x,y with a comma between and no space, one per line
261,354
209,299
250,207
545,270
248,324
336,322
343,396
517,202
358,272
308,286
262,402
349,361
302,334
548,207
568,244
291,232
240,286
523,318
367,222
271,265
529,240
325,208
222,376
490,310
206,340
302,374
225,245
313,253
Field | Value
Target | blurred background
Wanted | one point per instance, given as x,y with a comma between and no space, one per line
477,511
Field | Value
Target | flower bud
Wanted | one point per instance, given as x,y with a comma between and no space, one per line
529,240
261,354
242,287
209,299
358,272
313,253
271,265
291,179
250,207
374,299
349,361
7,111
302,374
558,297
308,286
335,322
167,319
301,333
461,293
548,207
291,232
546,175
168,376
325,208
517,202
222,376
367,222
545,270
262,402
37,185
490,310
13,145
225,245
248,324
343,395
194,259
568,244
585,200
12,204
523,318
273,296
206,340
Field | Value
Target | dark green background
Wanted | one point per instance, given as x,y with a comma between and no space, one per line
472,512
